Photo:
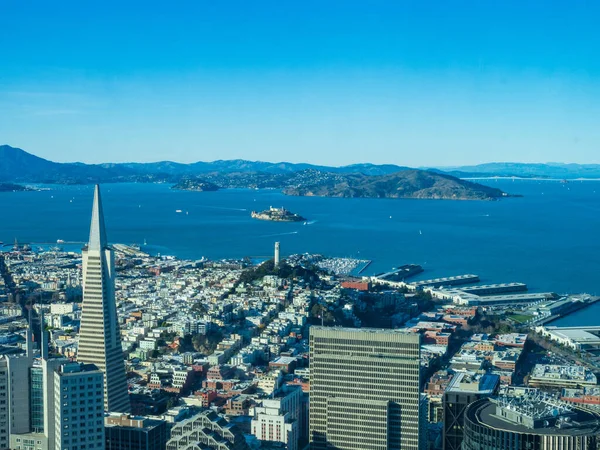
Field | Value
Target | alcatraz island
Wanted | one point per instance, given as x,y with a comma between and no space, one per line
277,215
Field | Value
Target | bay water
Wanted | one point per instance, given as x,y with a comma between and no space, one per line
549,238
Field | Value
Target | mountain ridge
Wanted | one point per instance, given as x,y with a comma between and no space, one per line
357,180
18,165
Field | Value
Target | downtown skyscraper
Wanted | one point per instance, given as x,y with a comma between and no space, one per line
364,389
99,336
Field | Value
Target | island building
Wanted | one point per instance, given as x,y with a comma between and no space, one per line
364,389
277,215
276,257
462,390
529,422
99,336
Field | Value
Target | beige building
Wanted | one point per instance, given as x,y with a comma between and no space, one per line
278,419
364,390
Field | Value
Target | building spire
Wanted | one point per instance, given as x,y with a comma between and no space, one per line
97,230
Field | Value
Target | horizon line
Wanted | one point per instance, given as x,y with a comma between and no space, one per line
423,167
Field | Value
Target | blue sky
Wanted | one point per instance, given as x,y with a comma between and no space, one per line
334,82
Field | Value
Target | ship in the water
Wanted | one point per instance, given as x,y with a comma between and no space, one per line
277,215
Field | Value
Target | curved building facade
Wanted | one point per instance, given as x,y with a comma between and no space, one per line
529,424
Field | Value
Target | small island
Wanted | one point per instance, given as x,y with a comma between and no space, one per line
195,185
277,215
10,187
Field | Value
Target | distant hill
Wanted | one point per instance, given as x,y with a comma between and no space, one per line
244,166
406,184
17,165
358,180
538,170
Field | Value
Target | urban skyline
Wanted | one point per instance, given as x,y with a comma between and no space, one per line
329,225
234,355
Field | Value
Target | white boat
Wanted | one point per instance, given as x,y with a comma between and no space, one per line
178,211
60,241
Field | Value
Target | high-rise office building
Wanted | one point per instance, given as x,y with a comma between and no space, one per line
78,407
463,390
99,337
125,432
49,403
364,389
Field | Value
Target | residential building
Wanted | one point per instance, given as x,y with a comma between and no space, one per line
206,430
279,419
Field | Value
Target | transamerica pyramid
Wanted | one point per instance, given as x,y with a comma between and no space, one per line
99,335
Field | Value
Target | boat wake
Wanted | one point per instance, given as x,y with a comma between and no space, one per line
222,207
278,234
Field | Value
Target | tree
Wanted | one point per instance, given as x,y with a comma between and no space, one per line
207,343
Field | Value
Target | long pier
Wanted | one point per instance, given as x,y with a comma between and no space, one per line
447,281
402,272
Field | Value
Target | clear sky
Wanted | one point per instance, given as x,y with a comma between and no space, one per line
333,82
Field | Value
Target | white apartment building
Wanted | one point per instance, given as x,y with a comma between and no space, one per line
278,419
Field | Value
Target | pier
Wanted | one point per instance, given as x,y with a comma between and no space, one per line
447,281
491,289
401,273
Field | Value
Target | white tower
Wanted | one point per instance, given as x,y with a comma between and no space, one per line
99,337
276,259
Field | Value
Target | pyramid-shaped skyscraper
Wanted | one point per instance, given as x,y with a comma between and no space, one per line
99,336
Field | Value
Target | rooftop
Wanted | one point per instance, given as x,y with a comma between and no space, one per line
534,415
482,384
563,372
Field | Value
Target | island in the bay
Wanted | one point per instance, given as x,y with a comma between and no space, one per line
10,187
195,185
277,215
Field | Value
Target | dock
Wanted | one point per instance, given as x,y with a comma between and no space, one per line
447,281
492,289
401,273
129,250
364,267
